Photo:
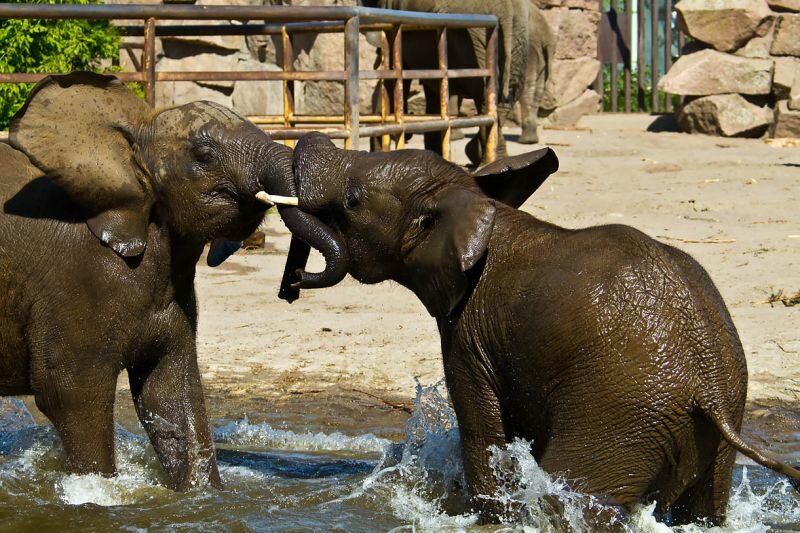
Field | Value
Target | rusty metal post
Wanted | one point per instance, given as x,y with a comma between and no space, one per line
386,139
287,62
351,99
667,49
627,65
491,93
654,54
444,91
149,61
397,63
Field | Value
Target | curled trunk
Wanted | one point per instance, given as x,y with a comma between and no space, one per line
307,232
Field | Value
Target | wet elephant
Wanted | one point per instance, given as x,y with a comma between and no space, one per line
612,353
106,208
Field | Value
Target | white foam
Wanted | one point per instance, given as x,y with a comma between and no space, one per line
243,433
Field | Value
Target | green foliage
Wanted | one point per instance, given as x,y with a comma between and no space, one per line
644,96
51,46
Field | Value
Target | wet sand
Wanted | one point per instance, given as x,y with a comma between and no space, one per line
731,203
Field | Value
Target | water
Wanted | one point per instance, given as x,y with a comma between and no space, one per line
281,479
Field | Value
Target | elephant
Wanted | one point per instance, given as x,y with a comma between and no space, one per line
612,353
466,49
107,206
541,50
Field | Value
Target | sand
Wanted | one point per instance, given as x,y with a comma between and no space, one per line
731,203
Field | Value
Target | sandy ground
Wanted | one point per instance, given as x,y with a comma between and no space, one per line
739,197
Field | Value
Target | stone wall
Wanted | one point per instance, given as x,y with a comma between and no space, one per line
740,76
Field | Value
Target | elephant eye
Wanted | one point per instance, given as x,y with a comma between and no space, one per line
204,154
424,222
352,197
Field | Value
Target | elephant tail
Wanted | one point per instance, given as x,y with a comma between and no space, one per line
730,434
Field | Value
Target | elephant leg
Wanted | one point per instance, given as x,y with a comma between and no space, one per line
530,98
454,108
433,139
168,396
481,426
708,497
80,404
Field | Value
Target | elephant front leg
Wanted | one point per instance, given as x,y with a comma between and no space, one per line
169,401
481,426
81,408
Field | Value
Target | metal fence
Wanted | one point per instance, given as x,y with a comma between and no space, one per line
287,21
638,39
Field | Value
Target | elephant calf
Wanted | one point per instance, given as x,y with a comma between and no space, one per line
106,207
612,353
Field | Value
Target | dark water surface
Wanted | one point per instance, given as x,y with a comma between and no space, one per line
291,470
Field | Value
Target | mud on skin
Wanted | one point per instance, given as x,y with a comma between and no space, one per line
612,353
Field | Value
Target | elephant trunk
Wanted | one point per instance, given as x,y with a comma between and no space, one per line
307,231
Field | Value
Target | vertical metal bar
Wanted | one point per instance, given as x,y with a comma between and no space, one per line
444,91
667,48
613,80
351,99
149,61
397,63
627,59
386,140
598,81
640,60
287,63
491,93
654,54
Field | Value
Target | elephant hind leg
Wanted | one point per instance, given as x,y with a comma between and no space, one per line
708,498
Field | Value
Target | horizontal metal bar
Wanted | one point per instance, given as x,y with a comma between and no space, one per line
427,125
197,30
296,133
219,12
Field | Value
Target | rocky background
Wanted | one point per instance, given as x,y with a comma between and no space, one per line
741,74
568,97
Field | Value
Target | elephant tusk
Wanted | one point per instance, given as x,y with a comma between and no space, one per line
274,199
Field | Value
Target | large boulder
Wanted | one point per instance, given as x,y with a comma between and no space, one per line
787,121
710,72
724,24
784,5
758,46
728,115
575,31
569,114
569,79
787,36
785,76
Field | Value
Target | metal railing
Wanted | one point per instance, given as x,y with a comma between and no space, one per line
287,21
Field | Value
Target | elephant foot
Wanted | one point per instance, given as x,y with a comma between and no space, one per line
529,136
474,151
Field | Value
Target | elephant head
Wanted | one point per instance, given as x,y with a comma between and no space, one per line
410,216
196,168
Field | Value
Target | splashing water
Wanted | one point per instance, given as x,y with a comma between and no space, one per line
279,478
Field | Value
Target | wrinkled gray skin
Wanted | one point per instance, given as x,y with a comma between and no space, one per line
613,353
106,207
466,49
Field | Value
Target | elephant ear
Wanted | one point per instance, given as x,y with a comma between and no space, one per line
512,180
458,230
77,128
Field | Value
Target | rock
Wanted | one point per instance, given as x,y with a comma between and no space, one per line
258,97
787,121
785,76
784,5
569,79
173,93
575,32
794,95
728,115
586,5
546,4
724,24
571,113
787,36
710,72
758,46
